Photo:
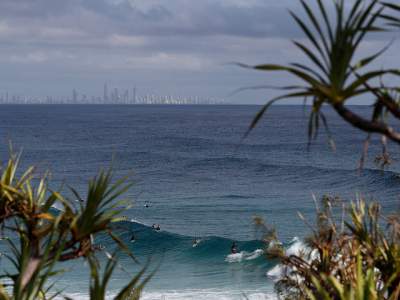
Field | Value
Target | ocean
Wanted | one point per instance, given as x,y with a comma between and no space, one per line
197,178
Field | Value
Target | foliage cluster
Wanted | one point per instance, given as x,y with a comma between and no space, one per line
355,258
349,256
335,74
38,236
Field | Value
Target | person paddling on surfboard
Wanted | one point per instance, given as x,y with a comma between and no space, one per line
196,241
234,249
133,238
156,227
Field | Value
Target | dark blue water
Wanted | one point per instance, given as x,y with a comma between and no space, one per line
200,180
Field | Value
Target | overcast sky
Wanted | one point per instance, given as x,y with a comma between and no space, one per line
177,47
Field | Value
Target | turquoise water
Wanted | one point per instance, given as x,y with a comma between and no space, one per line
198,180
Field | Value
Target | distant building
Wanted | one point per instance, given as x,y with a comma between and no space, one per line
112,96
105,95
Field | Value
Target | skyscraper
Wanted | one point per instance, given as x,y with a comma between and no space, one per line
74,96
105,96
134,95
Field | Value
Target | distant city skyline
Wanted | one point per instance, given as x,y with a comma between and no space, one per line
174,47
111,95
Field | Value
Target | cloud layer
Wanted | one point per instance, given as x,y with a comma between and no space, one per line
174,46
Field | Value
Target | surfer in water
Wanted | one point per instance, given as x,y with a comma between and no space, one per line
99,247
133,238
156,227
234,249
196,241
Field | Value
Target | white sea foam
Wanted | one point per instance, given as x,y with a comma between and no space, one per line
204,294
209,295
297,247
243,255
276,272
133,220
234,257
255,254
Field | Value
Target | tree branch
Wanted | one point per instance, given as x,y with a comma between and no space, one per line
390,104
383,98
366,125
